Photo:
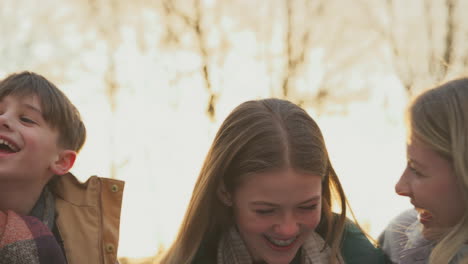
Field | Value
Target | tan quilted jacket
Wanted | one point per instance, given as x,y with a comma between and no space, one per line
88,218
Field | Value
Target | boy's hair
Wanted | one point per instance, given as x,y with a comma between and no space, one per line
57,110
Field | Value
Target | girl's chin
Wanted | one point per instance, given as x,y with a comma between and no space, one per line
275,261
280,255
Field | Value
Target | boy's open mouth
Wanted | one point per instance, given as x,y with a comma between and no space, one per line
7,147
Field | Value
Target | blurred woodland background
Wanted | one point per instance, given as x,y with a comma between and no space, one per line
154,80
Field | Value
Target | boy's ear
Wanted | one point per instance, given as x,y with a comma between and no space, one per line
64,162
223,195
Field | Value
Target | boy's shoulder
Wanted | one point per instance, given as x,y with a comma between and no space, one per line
68,188
88,216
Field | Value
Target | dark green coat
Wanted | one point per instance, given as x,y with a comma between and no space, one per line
357,249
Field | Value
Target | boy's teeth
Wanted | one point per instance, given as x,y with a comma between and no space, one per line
13,148
2,141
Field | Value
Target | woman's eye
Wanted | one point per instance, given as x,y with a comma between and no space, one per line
27,120
309,207
264,211
415,171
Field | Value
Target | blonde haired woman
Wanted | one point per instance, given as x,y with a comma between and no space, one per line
436,180
264,196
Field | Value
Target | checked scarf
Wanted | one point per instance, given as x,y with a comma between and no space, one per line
232,250
28,239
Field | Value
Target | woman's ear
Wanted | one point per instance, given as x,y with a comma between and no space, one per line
64,162
223,195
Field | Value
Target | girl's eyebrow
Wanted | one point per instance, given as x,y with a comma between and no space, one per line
263,203
313,199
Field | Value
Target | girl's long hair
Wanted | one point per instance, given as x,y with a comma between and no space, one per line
257,136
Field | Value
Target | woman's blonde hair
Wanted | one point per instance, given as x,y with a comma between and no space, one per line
439,118
257,136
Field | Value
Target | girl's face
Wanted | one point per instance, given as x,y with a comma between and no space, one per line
429,180
276,211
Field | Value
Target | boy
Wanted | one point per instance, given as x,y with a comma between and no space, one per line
41,133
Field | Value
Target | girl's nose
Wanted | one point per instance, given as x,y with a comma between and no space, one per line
288,227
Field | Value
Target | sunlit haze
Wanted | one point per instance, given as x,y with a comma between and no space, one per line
136,75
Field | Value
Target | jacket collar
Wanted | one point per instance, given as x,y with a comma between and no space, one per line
417,249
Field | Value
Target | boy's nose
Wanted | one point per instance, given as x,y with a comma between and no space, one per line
4,121
402,187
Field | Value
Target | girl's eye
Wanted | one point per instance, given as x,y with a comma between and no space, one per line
309,207
27,120
264,211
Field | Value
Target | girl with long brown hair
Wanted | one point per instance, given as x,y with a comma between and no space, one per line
265,193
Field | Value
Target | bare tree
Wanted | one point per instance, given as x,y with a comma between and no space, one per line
104,15
108,26
322,27
35,39
429,50
189,18
297,41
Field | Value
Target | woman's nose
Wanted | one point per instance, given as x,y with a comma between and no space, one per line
402,187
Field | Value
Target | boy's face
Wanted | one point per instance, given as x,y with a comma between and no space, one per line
28,145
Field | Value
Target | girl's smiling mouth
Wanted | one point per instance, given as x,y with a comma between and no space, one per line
281,244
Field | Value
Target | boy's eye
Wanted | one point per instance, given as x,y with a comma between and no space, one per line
309,207
264,211
27,120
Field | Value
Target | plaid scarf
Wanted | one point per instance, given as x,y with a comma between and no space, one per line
232,250
27,239
44,209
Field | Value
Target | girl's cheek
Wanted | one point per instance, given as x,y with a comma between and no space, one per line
312,221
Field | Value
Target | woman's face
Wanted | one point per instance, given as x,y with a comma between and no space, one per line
429,180
276,211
